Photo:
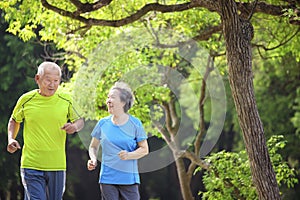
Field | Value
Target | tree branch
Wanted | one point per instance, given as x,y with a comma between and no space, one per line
260,46
201,126
121,22
172,121
163,132
174,116
84,29
167,117
202,36
211,5
191,170
261,7
252,10
89,7
207,33
194,159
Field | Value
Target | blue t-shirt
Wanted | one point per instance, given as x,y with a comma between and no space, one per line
113,139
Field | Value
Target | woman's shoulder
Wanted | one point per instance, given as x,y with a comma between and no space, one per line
104,120
135,120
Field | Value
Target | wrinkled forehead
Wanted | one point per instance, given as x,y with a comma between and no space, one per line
52,71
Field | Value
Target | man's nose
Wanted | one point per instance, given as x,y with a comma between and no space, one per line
51,83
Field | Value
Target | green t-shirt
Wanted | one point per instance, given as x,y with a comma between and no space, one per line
43,117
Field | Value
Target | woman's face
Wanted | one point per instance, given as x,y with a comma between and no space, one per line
114,103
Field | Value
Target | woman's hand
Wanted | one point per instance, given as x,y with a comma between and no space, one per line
91,165
123,155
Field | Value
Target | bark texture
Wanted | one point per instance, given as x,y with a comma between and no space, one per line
238,34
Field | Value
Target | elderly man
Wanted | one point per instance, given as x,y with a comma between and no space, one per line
48,116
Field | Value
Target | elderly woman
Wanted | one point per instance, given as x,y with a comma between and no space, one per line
123,141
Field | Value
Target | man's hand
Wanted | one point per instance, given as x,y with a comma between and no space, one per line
13,145
69,128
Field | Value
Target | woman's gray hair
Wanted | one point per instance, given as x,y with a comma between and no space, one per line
47,65
126,94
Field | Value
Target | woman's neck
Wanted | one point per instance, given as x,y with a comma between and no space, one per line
120,119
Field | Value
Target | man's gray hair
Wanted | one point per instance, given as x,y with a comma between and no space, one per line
47,65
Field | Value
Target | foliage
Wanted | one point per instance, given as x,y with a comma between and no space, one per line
230,176
276,84
134,62
296,117
276,41
18,66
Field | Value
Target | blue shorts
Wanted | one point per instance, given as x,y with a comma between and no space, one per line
43,185
122,192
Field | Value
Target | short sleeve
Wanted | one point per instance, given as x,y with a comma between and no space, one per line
74,111
140,131
96,133
18,112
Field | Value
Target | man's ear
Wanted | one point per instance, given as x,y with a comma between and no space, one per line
36,78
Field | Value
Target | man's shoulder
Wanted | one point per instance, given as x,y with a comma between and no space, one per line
64,95
28,95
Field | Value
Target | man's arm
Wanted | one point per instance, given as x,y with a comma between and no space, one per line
12,132
79,124
74,127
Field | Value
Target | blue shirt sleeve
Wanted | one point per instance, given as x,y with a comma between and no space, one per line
96,133
140,132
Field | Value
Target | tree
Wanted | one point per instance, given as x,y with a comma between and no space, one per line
239,57
76,19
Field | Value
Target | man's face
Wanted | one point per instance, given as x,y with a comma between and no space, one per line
48,82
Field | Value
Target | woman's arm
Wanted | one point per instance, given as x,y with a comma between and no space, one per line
140,152
93,153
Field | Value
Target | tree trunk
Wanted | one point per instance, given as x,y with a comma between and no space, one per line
169,135
183,180
238,34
